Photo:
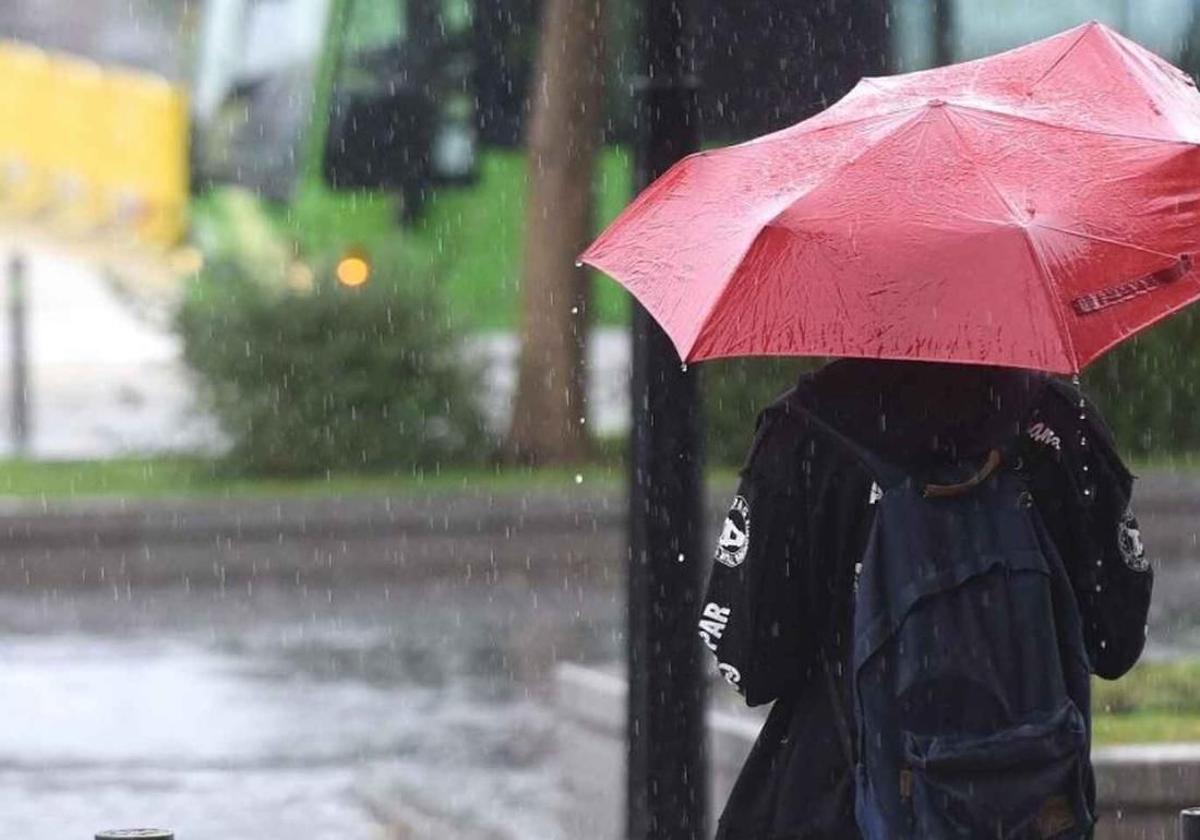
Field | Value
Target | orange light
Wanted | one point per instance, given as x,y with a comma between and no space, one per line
353,271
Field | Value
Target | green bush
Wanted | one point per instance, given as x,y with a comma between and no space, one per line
1149,388
735,391
321,377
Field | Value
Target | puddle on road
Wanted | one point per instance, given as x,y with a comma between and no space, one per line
226,717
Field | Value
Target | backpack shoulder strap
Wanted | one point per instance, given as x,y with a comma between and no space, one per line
885,473
839,712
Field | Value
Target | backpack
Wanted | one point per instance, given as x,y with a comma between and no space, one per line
968,672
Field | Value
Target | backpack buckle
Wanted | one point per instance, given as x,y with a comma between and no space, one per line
1055,817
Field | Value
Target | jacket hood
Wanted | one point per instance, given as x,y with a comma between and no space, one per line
911,412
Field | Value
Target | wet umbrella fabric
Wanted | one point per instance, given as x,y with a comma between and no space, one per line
1031,209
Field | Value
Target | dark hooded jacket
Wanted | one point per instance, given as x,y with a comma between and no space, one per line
780,594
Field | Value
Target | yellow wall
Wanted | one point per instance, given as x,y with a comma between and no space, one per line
91,151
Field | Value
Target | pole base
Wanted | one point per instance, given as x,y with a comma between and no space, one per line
1189,824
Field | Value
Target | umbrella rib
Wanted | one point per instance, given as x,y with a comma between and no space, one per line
845,166
1064,334
1119,135
1115,242
1014,216
1133,63
1067,52
791,201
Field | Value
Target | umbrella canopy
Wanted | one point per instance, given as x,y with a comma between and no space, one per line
1029,209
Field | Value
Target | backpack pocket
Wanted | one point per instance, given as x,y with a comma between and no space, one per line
1025,782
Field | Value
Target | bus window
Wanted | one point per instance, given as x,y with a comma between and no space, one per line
402,117
253,91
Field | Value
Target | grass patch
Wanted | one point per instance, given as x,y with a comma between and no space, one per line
1186,462
1144,728
200,478
1155,701
183,477
1170,686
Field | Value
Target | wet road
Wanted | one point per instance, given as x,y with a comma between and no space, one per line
293,713
284,714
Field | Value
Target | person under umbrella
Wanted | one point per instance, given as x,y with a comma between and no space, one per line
779,612
932,547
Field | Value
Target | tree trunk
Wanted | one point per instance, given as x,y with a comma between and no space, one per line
567,103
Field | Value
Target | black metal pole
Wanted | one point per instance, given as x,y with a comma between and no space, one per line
1189,824
667,778
18,355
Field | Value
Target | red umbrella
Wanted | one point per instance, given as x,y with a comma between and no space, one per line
1029,209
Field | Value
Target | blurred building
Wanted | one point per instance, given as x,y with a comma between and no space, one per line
146,34
766,65
981,27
